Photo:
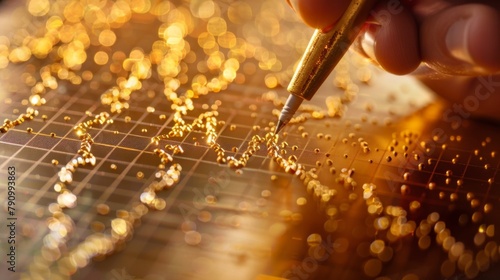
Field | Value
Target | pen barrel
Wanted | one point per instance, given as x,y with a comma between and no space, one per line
325,49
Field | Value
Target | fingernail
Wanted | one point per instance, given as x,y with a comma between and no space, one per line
293,4
367,41
457,40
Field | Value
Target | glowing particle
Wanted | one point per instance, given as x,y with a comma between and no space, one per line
372,267
119,226
301,201
314,239
102,209
377,246
97,226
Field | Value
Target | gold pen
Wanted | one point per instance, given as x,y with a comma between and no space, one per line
324,51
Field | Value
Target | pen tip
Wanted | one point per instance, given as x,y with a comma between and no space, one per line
280,125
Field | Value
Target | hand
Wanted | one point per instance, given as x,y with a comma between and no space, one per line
453,46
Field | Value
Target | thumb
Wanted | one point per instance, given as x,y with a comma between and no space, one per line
319,14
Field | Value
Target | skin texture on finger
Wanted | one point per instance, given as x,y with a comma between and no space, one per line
319,14
462,40
394,35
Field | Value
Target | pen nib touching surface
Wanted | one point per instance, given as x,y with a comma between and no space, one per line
291,106
279,126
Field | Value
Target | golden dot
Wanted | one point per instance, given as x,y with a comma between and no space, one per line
488,207
330,225
377,246
442,195
265,193
457,249
55,162
210,199
453,197
404,189
471,270
448,268
139,175
479,238
372,267
192,238
386,254
301,201
424,242
414,206
477,217
102,209
271,81
204,216
475,203
188,226
381,223
490,231
159,204
97,226
439,227
314,239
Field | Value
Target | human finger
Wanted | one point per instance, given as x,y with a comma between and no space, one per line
391,38
319,14
462,40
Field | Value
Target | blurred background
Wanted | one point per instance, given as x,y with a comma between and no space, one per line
140,132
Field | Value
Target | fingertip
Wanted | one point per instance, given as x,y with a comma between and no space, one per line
319,13
462,40
394,43
484,39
